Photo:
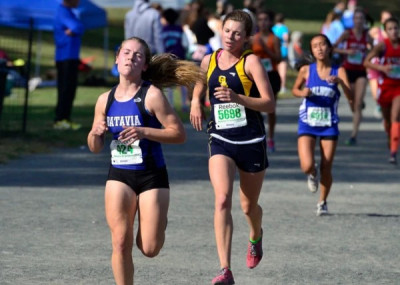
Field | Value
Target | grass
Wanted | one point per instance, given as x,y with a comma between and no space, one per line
40,136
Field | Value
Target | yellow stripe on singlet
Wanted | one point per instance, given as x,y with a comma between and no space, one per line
244,79
212,64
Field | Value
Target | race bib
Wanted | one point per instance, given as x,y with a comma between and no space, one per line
356,58
229,115
123,154
266,62
319,117
394,72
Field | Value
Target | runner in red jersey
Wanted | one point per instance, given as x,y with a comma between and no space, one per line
355,41
389,82
377,34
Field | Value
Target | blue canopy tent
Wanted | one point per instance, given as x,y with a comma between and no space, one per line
19,13
39,15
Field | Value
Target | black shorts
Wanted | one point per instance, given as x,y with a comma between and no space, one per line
327,138
140,180
353,75
248,157
275,81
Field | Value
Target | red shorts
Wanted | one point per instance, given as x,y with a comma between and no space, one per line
386,94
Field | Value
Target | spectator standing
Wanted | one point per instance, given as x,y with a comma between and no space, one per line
347,17
68,30
176,43
295,51
144,22
333,29
187,19
215,24
340,7
282,32
200,26
221,7
197,30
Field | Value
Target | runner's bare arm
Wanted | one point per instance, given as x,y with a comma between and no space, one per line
96,135
196,109
345,84
298,90
376,52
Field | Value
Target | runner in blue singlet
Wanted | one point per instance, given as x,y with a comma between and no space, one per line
318,84
139,117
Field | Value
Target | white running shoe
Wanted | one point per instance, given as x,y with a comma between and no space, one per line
312,181
322,208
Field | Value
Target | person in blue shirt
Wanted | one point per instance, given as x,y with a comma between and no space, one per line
318,84
282,32
333,29
348,14
68,31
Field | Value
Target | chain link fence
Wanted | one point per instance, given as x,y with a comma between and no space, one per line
15,61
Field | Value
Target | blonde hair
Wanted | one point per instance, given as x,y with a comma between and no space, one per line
166,70
242,17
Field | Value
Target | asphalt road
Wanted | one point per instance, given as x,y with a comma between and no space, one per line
53,229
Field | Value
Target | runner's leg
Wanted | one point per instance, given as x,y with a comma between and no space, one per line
222,173
120,208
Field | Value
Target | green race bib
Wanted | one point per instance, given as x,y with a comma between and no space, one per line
394,72
319,117
122,154
266,62
356,58
229,115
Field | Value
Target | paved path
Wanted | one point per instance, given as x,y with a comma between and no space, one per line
53,230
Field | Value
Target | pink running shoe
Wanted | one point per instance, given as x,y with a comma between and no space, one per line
224,277
254,253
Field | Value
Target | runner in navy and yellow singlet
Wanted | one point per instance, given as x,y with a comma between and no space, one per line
356,43
139,117
389,82
318,84
267,46
239,90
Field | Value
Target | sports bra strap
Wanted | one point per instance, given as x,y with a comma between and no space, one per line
110,98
